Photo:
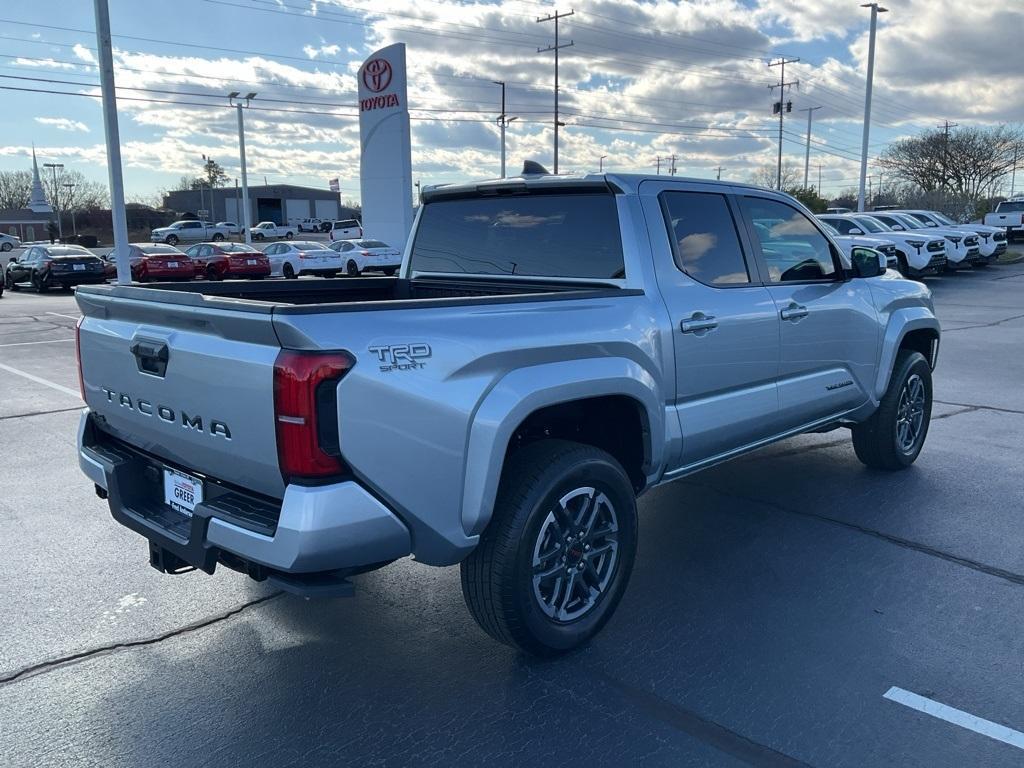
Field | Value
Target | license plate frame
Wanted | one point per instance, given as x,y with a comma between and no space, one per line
182,491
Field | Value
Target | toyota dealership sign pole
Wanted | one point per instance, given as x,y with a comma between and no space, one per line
385,164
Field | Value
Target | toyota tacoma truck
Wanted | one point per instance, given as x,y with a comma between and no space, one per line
552,348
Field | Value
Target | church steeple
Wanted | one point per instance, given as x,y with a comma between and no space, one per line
37,202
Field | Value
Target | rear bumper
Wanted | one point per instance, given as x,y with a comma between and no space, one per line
72,278
312,533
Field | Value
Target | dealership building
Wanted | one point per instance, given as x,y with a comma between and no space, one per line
279,203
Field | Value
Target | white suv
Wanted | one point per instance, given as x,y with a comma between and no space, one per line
346,229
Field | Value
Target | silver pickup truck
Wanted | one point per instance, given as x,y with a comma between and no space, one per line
553,347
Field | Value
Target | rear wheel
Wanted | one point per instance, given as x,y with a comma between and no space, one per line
217,237
5,247
212,273
389,271
258,236
352,269
894,435
554,561
171,240
288,235
288,272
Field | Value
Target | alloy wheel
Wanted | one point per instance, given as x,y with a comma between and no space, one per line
910,414
575,554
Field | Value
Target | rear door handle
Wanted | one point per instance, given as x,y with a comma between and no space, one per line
794,312
698,322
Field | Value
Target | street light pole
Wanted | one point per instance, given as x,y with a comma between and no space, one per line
875,10
246,213
56,197
113,140
807,153
600,163
501,124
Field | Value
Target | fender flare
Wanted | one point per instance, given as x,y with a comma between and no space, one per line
901,322
523,391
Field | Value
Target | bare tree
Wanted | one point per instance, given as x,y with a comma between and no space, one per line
84,195
15,189
968,162
765,176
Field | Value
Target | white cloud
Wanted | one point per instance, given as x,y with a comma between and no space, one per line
84,53
63,124
322,50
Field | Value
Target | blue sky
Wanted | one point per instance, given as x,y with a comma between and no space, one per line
643,80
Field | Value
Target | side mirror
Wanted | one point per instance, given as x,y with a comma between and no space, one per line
897,228
867,262
930,224
856,231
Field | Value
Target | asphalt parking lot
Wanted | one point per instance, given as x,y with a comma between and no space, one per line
776,600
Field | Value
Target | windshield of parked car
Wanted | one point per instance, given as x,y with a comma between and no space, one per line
943,219
542,235
870,224
908,221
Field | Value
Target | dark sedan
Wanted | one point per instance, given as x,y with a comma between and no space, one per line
49,266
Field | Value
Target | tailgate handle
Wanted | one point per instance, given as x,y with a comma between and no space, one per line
151,356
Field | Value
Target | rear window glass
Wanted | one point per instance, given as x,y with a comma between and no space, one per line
556,235
346,223
158,249
70,250
372,244
1014,207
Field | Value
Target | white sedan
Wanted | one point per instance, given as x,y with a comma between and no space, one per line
359,255
9,242
302,257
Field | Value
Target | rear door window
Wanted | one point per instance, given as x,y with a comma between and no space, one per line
704,238
573,235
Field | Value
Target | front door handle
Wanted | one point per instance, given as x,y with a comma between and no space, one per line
698,322
794,312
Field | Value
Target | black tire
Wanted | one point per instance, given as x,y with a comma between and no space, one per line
352,269
5,247
9,283
171,240
498,576
904,267
217,237
288,235
878,441
212,273
288,272
389,271
258,236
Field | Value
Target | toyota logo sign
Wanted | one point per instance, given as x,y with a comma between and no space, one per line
377,74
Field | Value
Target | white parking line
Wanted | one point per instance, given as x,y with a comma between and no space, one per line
69,317
956,717
26,375
26,343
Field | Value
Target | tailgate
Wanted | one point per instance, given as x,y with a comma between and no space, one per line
189,383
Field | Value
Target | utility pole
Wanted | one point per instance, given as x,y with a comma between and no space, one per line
657,162
556,47
719,176
807,152
819,180
672,167
945,150
113,140
1013,172
56,198
600,163
69,186
246,212
501,124
875,10
781,105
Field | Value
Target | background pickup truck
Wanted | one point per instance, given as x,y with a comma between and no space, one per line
189,232
552,347
267,230
1009,214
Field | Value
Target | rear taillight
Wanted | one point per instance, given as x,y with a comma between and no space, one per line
306,412
366,253
78,356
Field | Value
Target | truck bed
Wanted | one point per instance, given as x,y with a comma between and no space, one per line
349,294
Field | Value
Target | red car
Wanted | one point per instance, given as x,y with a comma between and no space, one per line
215,261
153,261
